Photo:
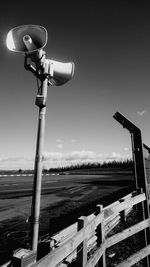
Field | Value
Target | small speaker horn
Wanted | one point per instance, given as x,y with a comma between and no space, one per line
26,38
60,72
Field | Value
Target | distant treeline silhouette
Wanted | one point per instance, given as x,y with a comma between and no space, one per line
126,164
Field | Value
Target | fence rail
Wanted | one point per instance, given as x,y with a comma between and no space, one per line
96,227
111,220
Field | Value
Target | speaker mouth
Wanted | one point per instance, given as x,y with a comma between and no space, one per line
26,38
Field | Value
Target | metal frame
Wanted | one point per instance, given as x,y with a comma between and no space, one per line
140,173
137,150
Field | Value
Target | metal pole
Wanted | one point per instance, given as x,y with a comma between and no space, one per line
35,210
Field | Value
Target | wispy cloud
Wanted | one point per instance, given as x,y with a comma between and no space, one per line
73,140
53,156
141,113
58,140
13,163
114,156
60,146
81,155
74,157
57,159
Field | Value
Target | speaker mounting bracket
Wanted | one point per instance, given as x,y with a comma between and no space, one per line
38,71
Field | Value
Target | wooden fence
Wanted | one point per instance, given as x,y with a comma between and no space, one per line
111,220
89,243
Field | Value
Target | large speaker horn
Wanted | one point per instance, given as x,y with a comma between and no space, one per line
26,38
60,72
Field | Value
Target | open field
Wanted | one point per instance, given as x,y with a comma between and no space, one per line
64,198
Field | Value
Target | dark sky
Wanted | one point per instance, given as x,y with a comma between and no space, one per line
109,42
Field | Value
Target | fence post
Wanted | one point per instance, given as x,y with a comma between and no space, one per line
144,235
122,213
82,248
100,236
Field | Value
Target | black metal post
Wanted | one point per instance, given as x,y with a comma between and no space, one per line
140,174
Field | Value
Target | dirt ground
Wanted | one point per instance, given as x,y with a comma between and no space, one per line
64,198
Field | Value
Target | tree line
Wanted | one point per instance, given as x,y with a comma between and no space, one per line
126,164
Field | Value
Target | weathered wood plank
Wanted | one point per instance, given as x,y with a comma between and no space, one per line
122,213
97,255
82,248
69,246
129,196
113,222
100,237
68,232
127,233
126,204
136,257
